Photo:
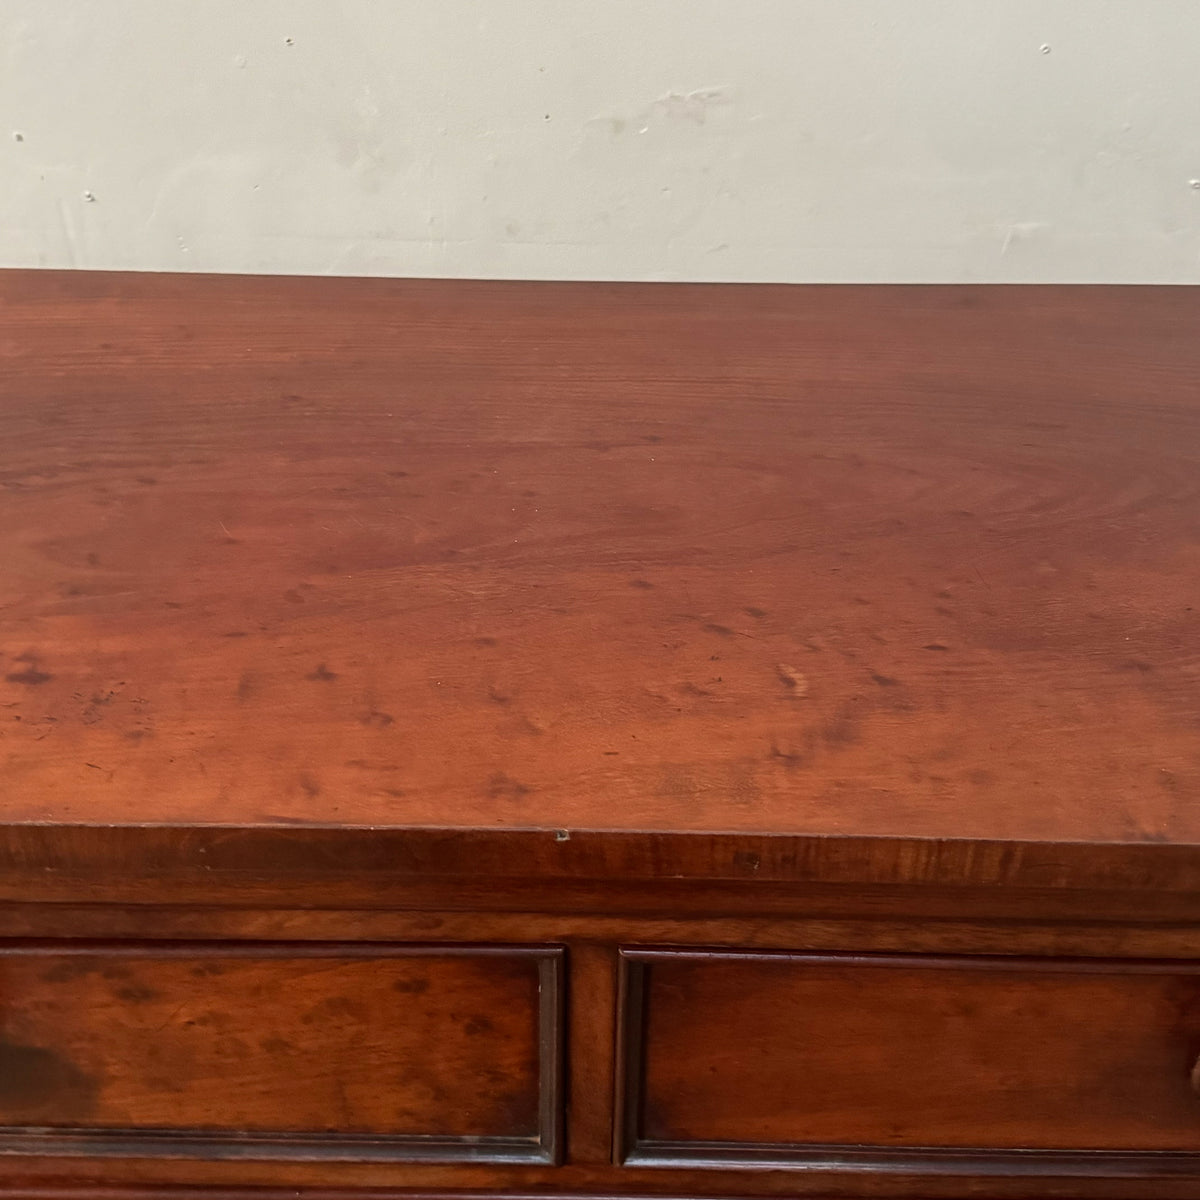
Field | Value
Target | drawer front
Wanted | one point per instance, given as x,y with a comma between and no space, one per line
282,1050
761,1059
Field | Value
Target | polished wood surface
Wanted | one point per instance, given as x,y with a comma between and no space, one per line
285,1050
825,561
91,934
758,1057
477,739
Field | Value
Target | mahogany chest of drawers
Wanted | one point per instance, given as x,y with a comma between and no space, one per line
586,740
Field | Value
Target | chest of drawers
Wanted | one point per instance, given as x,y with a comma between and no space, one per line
482,739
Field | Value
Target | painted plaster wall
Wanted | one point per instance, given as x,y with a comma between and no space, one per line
878,140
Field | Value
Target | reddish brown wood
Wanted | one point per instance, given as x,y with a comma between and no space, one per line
593,940
766,1058
593,1020
637,1183
836,561
296,1050
359,623
647,1190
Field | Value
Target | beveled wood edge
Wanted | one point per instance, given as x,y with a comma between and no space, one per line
137,1143
629,1065
552,1039
109,857
517,1182
807,932
918,960
274,948
544,1148
1084,1164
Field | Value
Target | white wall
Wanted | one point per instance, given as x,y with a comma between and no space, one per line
874,140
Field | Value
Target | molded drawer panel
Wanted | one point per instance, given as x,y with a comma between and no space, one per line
293,1050
770,1058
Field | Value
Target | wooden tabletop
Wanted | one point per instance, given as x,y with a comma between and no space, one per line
903,561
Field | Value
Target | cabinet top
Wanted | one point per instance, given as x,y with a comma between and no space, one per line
912,562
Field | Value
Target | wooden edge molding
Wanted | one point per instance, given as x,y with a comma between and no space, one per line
917,960
116,1143
113,859
552,1038
630,1055
1098,1164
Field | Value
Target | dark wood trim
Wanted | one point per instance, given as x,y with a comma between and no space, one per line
192,948
815,923
139,862
551,1053
157,1179
137,1143
933,962
1100,1164
543,1149
630,1051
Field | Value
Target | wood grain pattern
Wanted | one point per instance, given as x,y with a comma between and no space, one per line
592,1043
773,1058
645,1189
648,1187
351,1051
593,941
821,561
1166,1182
345,866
